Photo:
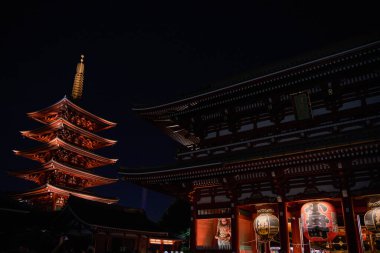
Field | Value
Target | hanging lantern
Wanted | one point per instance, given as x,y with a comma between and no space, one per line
266,226
372,220
319,221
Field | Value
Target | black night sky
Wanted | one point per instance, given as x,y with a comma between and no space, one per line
144,53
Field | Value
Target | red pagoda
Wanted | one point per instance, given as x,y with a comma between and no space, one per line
66,155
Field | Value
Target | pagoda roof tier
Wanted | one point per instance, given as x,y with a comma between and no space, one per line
49,132
43,153
34,174
51,113
64,191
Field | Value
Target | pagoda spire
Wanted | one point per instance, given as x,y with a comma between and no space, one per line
78,80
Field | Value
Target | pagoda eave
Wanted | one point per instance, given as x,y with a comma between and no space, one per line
48,188
49,132
54,165
38,115
58,143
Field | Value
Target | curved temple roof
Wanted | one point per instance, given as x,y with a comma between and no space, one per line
186,103
174,117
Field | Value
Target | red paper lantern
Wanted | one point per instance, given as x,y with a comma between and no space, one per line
319,221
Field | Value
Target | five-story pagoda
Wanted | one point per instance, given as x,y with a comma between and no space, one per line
66,155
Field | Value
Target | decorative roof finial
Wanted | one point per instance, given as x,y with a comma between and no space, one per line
78,80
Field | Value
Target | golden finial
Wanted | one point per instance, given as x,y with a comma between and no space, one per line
78,80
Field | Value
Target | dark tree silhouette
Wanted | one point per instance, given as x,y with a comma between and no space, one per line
176,218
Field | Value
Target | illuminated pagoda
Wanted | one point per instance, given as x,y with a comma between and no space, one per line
290,159
66,155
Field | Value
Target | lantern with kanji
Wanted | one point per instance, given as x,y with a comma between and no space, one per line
372,220
319,221
266,225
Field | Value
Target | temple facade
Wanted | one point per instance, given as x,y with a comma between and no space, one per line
66,155
284,162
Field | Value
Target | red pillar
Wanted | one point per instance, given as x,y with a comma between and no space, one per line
283,218
235,234
296,237
255,243
350,223
193,228
234,229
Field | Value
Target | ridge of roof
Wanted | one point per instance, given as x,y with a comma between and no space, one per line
269,71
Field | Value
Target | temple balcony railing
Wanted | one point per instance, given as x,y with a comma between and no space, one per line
325,135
